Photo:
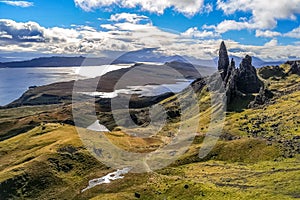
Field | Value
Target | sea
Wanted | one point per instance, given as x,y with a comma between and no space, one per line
15,81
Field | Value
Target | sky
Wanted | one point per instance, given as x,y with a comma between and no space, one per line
267,29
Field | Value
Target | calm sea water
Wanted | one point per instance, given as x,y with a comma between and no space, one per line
15,81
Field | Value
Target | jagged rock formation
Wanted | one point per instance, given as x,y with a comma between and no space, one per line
237,81
295,67
272,72
248,81
230,70
223,62
263,96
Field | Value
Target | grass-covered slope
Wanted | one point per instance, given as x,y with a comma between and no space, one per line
50,162
256,157
44,162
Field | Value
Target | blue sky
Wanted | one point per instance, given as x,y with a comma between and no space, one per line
267,29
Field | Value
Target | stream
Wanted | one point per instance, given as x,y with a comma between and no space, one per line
108,178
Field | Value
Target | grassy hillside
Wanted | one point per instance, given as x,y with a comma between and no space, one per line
256,157
51,161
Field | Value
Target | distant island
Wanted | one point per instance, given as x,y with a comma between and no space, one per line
56,61
143,55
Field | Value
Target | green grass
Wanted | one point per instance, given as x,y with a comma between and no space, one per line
55,158
210,180
39,158
280,119
250,161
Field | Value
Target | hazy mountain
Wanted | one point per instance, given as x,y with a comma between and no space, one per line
147,55
143,55
57,62
256,62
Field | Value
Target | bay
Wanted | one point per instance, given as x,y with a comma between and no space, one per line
15,81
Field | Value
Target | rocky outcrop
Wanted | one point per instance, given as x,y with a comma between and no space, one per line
248,81
227,71
231,87
263,96
230,70
272,72
295,68
223,62
237,81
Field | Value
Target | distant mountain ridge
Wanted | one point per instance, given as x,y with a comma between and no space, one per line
57,62
257,62
147,55
143,55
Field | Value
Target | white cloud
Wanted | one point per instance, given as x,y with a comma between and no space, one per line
85,28
23,4
187,7
295,33
265,14
208,8
124,36
267,33
297,43
5,35
108,27
128,17
22,32
270,51
271,43
195,33
228,25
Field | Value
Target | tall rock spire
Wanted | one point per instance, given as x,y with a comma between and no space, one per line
223,62
237,81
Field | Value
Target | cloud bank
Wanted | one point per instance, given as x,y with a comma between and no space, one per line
264,14
260,16
128,32
187,7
